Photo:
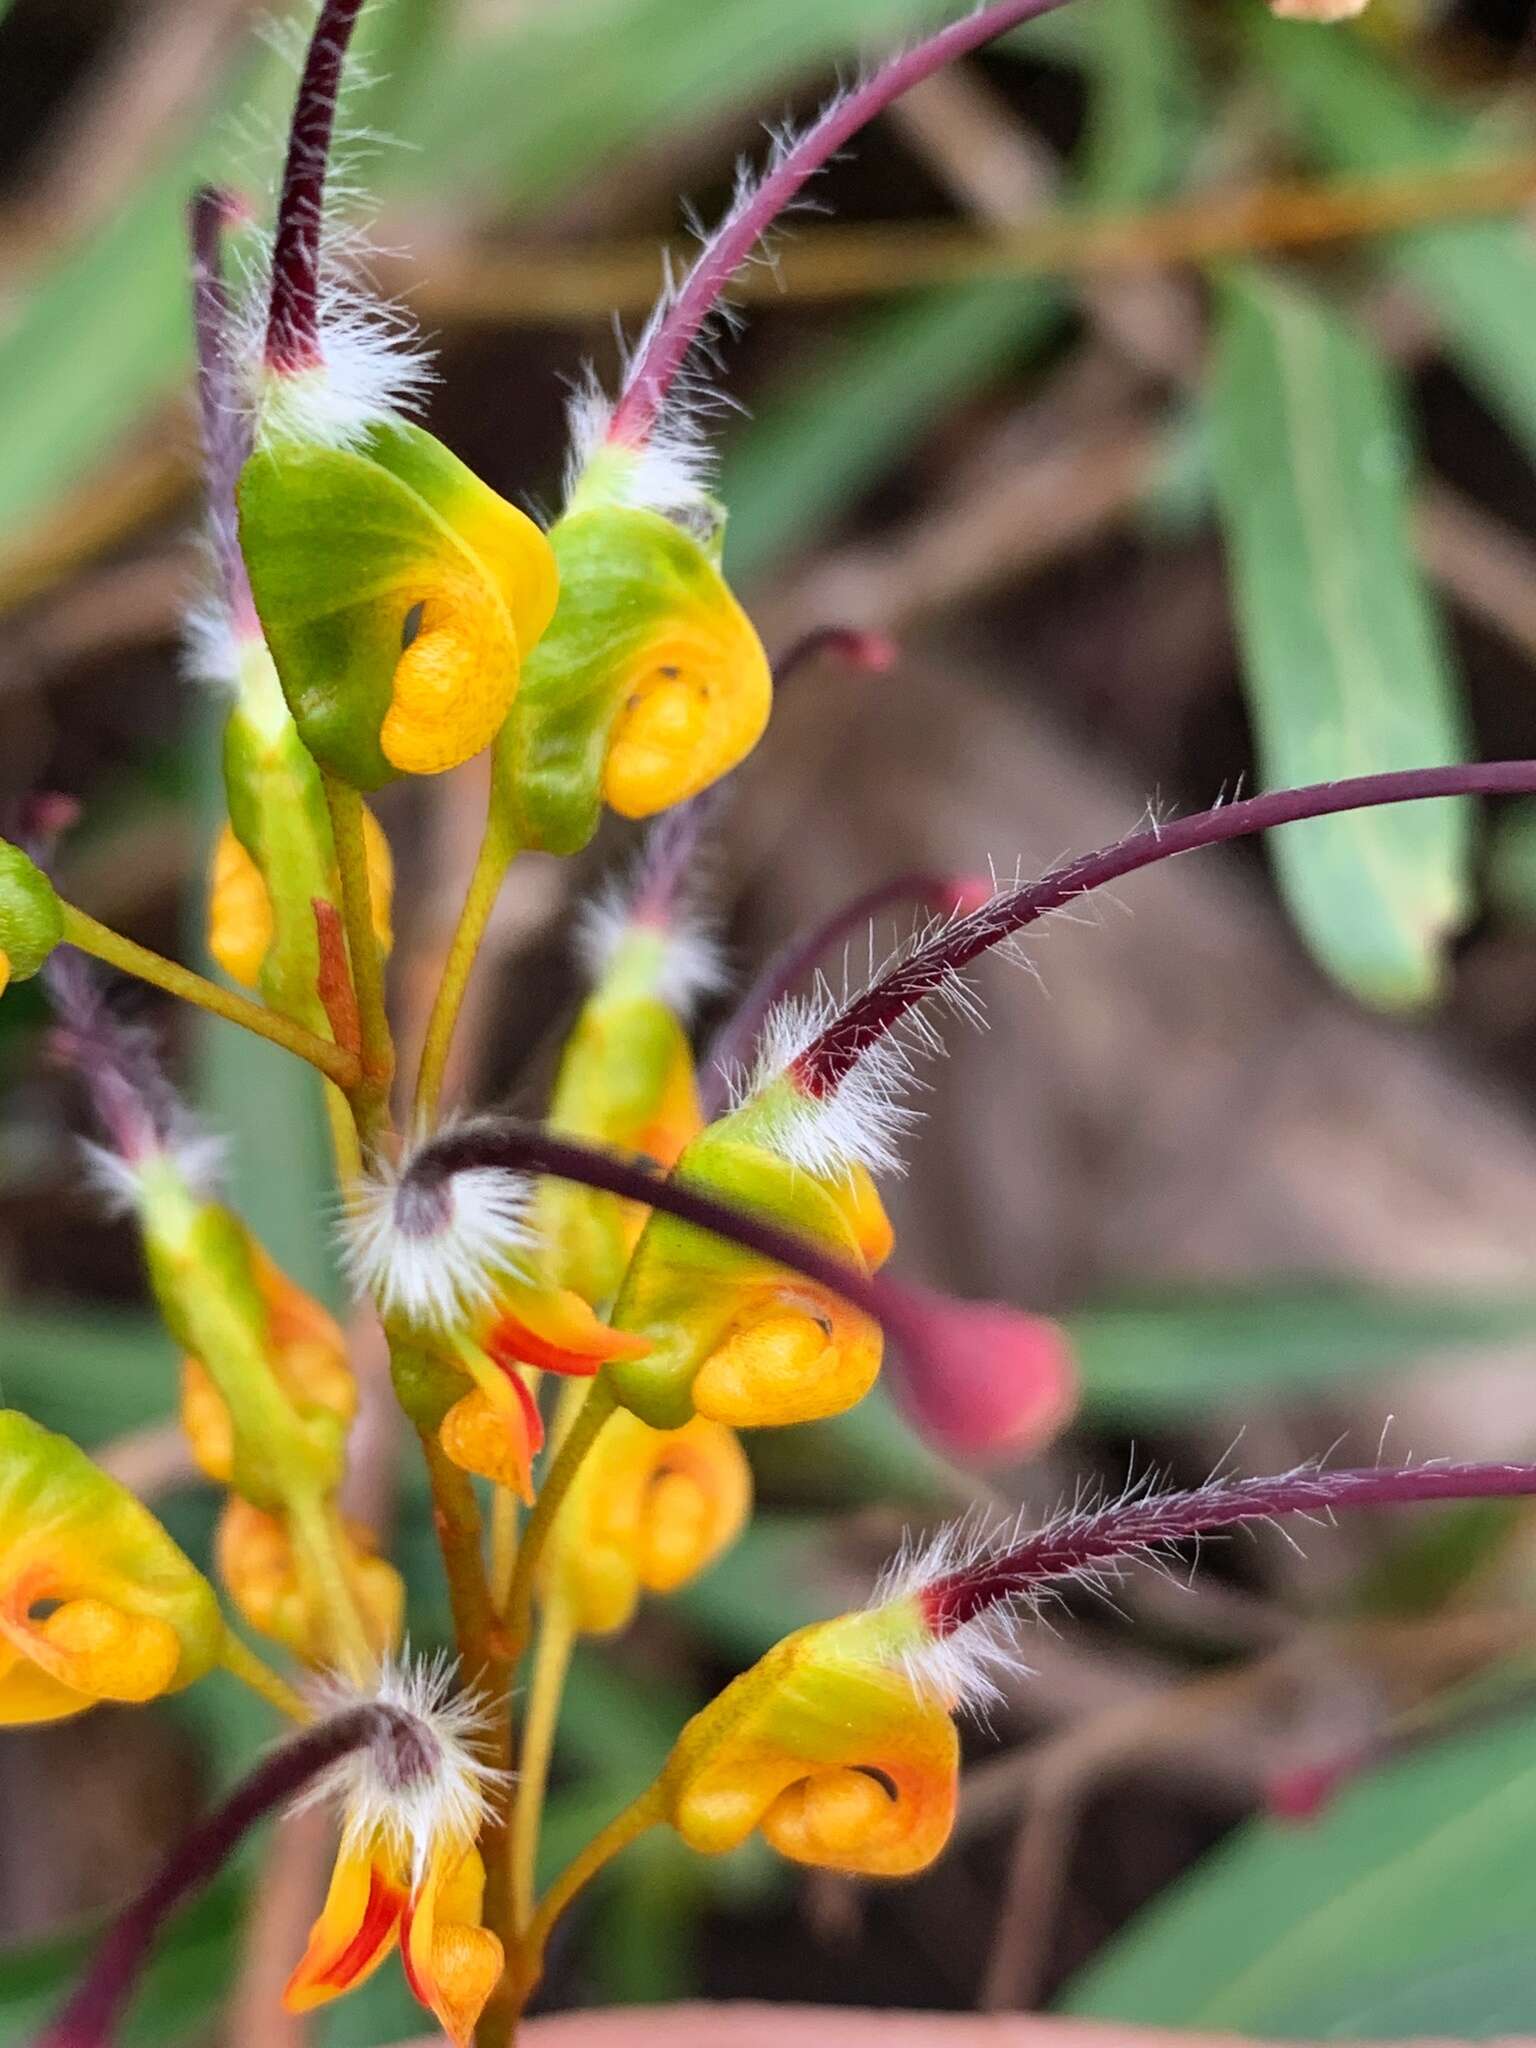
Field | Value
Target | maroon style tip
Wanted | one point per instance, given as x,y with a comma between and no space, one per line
293,322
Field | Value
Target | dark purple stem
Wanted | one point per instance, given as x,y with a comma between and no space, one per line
871,1015
525,1149
293,322
667,346
226,433
91,2017
1091,1539
788,967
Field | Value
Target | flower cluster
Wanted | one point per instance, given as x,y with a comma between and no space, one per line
587,1314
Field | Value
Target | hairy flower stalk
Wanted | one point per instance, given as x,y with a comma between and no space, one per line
684,313
223,419
943,896
94,2010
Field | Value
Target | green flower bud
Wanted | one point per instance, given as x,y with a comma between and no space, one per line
31,916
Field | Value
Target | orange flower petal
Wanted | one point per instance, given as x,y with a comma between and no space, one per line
358,1926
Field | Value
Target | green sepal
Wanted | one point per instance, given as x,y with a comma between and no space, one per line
278,813
426,1386
31,916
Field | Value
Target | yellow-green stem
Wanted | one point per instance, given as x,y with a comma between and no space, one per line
504,1514
595,1411
497,849
316,1531
370,1098
102,943
637,1819
243,1663
345,1148
551,1662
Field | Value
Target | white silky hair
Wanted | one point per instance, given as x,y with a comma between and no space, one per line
866,1117
117,1182
444,1798
674,472
375,368
691,963
440,1277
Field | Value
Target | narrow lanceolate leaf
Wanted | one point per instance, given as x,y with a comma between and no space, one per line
1358,110
1392,1914
1343,656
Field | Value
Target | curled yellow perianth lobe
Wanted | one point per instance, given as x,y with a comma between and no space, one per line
650,1509
828,1751
96,1601
696,702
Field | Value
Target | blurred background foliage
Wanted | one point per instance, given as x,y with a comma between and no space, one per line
1168,380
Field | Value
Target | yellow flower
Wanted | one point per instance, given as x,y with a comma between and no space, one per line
259,1565
826,1748
407,1873
96,1601
399,595
649,1510
733,1336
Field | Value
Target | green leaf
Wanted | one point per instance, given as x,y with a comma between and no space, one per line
1172,1358
1343,656
1416,1881
851,406
1512,862
774,1580
1361,113
91,1374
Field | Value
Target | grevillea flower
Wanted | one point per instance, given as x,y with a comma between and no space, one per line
31,919
275,859
649,1510
461,1267
96,1601
838,1746
626,1074
398,594
735,1337
407,1873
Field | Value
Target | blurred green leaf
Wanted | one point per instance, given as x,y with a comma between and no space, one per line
853,405
1144,118
1360,112
90,1373
644,1945
530,109
867,1456
1171,1358
182,1987
1343,657
1418,1877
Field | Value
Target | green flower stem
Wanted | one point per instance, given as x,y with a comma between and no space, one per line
241,1662
637,1819
316,1534
370,1095
585,1430
551,1662
102,943
498,849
